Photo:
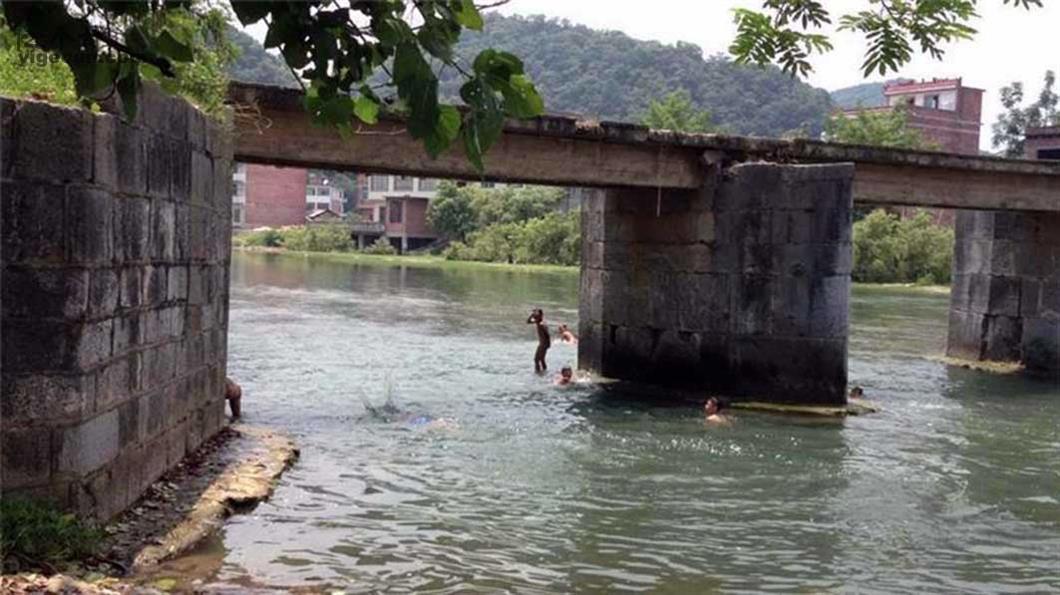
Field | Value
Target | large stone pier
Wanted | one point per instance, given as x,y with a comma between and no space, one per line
740,288
1005,304
115,247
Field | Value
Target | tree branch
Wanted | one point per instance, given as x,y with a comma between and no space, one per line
161,63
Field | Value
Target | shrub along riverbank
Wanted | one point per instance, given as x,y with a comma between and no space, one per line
520,226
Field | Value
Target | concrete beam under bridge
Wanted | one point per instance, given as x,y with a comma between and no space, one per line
271,127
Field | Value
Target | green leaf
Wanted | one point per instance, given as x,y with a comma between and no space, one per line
366,110
496,64
128,90
169,46
484,122
250,12
446,130
521,99
466,13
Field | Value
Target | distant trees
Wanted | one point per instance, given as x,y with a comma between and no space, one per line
1010,130
675,111
889,249
884,128
609,75
506,224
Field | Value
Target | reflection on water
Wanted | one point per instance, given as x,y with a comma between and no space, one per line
953,488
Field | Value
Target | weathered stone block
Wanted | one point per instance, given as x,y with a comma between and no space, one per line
103,293
775,369
792,304
154,280
190,354
663,304
223,188
1004,296
703,302
163,230
45,293
32,222
1049,303
89,221
7,135
202,180
160,366
42,399
1041,345
132,229
128,333
45,131
129,424
116,382
130,287
25,456
176,443
965,339
156,460
752,304
829,307
40,346
1003,338
177,284
590,345
90,445
180,174
182,232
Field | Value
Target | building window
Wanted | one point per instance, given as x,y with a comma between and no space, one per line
241,168
395,212
238,215
239,191
403,183
933,102
428,184
380,183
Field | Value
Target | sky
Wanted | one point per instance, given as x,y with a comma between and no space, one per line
1013,44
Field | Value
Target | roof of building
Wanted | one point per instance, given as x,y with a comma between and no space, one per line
322,213
903,87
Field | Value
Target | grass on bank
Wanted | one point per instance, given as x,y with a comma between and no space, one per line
36,536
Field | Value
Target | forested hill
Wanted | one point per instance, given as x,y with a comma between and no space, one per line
255,65
609,75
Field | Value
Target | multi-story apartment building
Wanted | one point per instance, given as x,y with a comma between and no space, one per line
395,207
946,113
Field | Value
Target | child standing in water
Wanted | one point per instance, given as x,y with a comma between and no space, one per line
544,341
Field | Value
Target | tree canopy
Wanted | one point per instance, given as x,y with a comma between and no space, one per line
675,111
884,128
609,75
788,32
335,48
1010,130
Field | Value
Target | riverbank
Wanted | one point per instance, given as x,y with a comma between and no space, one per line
231,473
431,261
417,260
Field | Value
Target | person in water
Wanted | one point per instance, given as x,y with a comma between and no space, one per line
544,341
713,410
857,393
234,396
566,376
566,336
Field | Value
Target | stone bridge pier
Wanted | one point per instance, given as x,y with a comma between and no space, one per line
739,288
1005,304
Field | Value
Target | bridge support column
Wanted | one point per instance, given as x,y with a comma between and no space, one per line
740,288
1005,304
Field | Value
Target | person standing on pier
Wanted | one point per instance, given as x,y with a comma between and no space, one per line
544,341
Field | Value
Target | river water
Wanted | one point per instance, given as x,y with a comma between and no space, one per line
954,487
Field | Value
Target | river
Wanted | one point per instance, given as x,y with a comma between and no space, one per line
954,487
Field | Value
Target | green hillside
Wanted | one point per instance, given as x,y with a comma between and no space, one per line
255,65
863,95
609,75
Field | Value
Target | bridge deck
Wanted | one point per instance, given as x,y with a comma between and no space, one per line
271,127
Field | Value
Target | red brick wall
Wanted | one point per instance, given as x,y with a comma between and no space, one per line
1041,138
416,218
275,196
949,130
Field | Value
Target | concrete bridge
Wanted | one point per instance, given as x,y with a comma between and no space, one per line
723,263
709,262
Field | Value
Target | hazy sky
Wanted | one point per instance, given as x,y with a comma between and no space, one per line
1012,44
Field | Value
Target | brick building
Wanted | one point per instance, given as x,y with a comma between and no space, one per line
1043,143
268,196
947,114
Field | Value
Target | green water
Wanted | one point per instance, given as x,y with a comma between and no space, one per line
954,487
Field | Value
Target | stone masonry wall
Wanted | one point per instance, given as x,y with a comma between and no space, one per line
741,288
1005,304
115,249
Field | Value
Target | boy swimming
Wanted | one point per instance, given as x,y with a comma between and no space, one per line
712,409
566,336
566,376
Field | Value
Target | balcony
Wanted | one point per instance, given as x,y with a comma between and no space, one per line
368,227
